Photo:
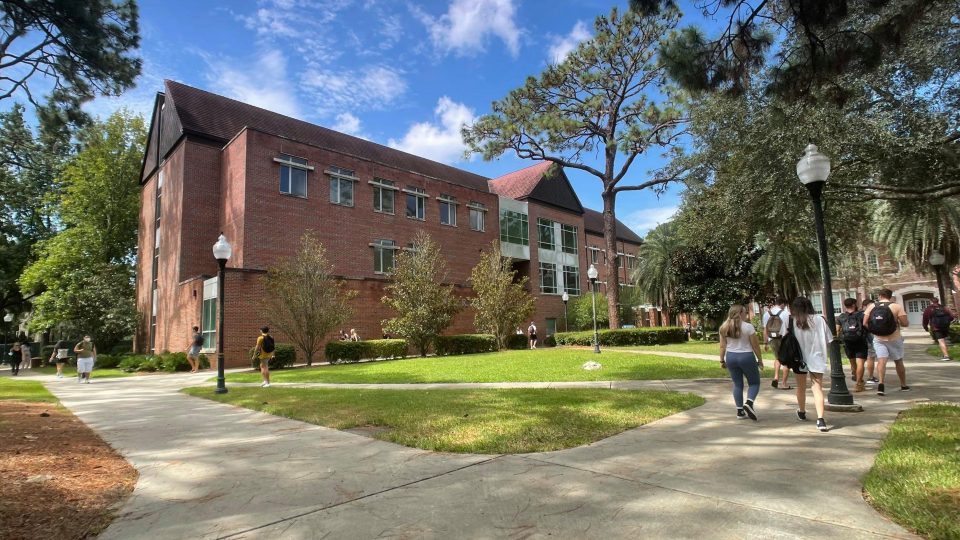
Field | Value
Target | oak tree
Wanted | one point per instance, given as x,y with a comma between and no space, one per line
501,300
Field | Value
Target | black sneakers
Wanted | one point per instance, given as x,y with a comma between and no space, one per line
741,415
880,389
748,407
802,415
774,383
904,388
822,425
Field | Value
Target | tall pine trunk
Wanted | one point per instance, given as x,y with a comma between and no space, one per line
613,272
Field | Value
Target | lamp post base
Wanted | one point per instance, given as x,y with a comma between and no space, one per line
843,408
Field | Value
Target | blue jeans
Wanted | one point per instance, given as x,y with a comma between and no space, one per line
742,365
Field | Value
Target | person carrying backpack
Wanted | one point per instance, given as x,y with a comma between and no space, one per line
264,351
813,336
851,330
936,320
193,352
775,321
884,320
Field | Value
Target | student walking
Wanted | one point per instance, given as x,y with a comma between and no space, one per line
59,356
532,333
740,355
871,351
814,337
850,328
25,355
264,351
16,358
884,320
936,321
193,353
86,354
775,322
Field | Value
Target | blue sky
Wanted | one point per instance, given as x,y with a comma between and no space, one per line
404,74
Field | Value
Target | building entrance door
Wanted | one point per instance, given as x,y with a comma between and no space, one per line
915,309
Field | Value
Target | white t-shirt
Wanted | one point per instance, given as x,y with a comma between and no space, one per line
784,316
742,343
814,343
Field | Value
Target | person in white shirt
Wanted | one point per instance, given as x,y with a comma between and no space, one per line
772,336
814,336
740,354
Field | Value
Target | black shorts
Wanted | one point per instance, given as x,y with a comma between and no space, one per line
855,349
533,336
940,334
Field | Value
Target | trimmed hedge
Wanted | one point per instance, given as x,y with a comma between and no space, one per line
517,341
626,336
354,351
284,356
550,341
106,361
465,344
955,333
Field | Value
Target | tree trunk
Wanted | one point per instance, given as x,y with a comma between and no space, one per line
613,271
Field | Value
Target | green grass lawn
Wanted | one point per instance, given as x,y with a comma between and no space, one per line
70,371
25,390
954,350
476,421
552,365
916,477
695,347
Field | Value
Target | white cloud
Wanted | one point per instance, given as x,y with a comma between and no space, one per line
370,88
464,28
645,219
349,124
263,83
441,140
561,46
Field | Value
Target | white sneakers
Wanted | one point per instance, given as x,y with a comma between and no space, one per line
265,385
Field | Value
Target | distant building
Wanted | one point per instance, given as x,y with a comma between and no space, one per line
213,164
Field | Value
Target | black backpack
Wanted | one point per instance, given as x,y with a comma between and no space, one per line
940,319
790,354
882,322
198,339
851,327
268,344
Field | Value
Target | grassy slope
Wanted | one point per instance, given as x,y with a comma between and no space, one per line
916,477
70,371
26,390
474,421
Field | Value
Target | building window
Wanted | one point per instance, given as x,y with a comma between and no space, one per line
571,279
383,256
341,185
545,234
548,278
448,210
383,195
478,216
871,262
594,255
416,203
514,228
551,327
156,261
208,314
568,239
631,261
293,175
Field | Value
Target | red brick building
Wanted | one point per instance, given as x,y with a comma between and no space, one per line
215,165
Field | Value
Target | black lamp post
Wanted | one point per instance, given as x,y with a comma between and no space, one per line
813,170
565,298
592,274
936,261
7,319
221,252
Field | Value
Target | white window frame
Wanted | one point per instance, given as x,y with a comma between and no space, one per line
544,225
576,243
575,271
421,197
380,247
550,268
452,204
211,289
871,261
479,210
293,162
381,186
337,175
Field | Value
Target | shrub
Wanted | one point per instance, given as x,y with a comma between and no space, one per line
625,336
131,363
517,341
551,341
352,351
46,352
955,333
122,347
465,344
284,356
149,363
107,361
171,362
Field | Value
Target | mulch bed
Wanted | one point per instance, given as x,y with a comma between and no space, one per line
58,479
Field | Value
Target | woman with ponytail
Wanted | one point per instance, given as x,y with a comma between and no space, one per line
740,354
814,336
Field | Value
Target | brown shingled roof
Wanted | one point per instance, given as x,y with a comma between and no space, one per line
221,118
519,184
593,222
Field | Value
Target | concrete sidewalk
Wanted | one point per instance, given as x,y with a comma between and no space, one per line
215,471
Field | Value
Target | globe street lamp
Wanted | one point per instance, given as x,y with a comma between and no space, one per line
565,298
813,170
592,274
936,261
221,252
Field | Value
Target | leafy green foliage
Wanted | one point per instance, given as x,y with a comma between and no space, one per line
352,351
516,342
625,336
423,304
501,300
653,277
465,344
83,276
708,285
80,49
303,299
284,356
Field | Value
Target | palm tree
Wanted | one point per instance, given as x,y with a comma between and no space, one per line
788,265
914,230
654,276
